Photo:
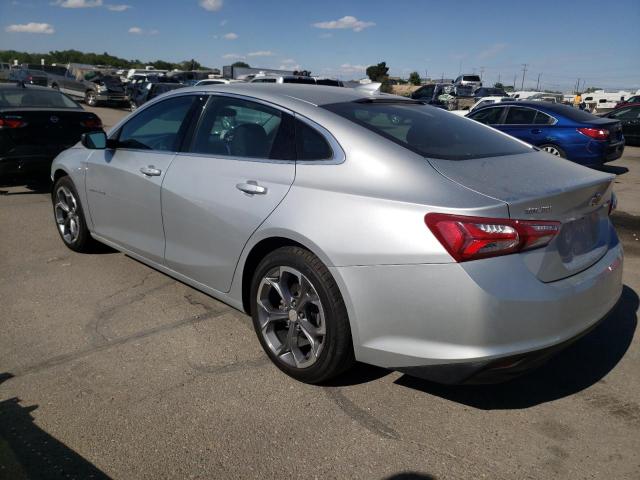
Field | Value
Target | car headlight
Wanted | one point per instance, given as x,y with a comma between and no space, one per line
102,88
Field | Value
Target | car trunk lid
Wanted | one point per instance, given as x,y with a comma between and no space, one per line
539,186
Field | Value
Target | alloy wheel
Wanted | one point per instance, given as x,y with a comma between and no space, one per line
291,317
67,215
552,150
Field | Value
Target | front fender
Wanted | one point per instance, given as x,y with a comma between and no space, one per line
73,162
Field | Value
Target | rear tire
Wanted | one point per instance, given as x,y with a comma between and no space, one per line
55,86
300,317
69,217
553,150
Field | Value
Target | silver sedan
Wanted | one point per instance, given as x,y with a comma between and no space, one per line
353,226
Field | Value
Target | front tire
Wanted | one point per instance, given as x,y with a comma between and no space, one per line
553,150
91,98
69,217
300,317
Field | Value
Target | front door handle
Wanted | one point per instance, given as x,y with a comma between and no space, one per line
536,130
251,187
151,171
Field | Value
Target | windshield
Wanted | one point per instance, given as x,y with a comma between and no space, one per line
471,78
428,131
27,97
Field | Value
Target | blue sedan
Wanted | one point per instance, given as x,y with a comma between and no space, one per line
558,129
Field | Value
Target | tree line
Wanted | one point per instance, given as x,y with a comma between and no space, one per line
75,56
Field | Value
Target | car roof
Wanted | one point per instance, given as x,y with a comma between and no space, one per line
288,94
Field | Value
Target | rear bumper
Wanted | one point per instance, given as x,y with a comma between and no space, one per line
599,153
450,322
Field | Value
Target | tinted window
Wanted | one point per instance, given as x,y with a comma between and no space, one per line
424,92
543,119
303,80
631,113
471,78
264,80
311,145
26,97
158,127
520,116
428,131
329,82
488,116
239,128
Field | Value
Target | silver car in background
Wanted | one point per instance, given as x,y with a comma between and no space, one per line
353,226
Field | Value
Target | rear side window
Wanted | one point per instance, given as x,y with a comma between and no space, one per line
303,80
543,119
520,116
428,131
311,144
239,128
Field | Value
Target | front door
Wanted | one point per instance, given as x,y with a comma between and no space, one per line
238,169
123,183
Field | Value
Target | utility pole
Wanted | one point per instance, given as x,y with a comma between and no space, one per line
524,71
515,75
577,86
481,72
538,83
498,78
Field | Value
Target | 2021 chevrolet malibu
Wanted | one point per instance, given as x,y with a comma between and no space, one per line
353,226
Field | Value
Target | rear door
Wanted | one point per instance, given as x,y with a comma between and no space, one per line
123,184
520,123
491,116
239,167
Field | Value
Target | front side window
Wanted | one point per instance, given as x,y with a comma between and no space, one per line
520,116
428,131
425,92
240,128
488,116
158,127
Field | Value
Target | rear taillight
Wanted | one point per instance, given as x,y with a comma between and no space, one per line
91,123
595,133
13,121
471,238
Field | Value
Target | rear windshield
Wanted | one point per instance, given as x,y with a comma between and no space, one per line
329,82
26,97
471,78
573,113
429,131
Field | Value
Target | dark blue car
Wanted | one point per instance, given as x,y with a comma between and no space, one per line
558,129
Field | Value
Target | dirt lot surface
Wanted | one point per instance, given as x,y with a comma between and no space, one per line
111,369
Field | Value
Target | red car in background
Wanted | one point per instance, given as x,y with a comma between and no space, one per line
634,99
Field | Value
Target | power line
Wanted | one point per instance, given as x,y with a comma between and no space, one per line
538,82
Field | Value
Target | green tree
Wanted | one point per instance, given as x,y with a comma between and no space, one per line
414,78
498,85
240,64
377,73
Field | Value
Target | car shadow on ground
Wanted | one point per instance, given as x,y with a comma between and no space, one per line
28,452
31,186
613,169
411,476
581,365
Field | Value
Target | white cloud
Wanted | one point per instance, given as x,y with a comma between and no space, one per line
141,31
345,23
288,60
211,5
348,68
261,53
289,66
118,8
491,51
230,36
78,3
233,56
31,27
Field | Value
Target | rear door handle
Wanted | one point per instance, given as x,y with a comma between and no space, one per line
151,171
251,187
536,130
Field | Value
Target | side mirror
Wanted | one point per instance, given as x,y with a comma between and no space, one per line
94,140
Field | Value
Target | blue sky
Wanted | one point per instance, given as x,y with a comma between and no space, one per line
561,40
